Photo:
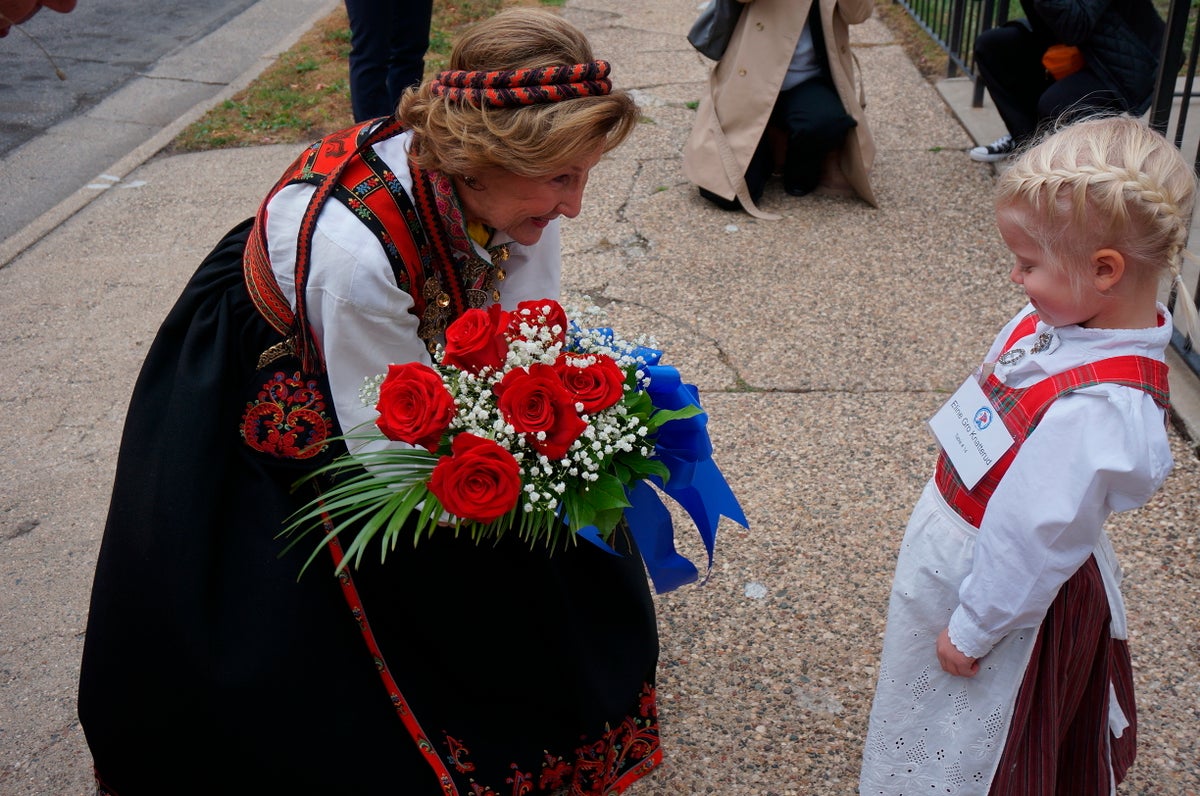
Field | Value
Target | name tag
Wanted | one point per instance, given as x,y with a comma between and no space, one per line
971,432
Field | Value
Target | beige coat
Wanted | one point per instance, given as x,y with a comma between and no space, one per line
744,84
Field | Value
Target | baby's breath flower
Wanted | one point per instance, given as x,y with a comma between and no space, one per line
369,392
609,435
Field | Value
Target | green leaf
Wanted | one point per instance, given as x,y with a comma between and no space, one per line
640,469
606,520
382,498
606,493
391,533
664,416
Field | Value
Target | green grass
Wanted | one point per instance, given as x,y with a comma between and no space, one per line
305,94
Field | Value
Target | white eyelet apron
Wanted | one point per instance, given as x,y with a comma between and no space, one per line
913,738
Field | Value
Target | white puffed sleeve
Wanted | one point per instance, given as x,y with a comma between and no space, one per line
362,320
1098,450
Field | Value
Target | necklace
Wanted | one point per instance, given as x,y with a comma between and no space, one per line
498,255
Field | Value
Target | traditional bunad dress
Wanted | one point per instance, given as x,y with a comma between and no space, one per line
1020,570
211,665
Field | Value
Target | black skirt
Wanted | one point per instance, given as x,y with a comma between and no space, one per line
210,666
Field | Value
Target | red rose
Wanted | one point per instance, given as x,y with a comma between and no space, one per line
595,380
546,313
477,339
533,402
414,405
480,481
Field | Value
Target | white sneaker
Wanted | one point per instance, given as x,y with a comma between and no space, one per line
999,149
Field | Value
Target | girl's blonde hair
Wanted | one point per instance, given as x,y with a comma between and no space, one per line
457,138
1108,182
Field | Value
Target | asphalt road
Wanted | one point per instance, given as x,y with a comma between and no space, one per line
132,69
101,46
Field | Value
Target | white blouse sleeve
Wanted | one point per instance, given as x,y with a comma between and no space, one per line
361,318
1098,450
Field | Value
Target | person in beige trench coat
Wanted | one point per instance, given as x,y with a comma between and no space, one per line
745,83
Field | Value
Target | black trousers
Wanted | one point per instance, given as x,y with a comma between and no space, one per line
388,40
1027,98
811,118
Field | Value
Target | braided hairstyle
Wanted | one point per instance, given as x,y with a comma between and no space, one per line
1108,182
533,137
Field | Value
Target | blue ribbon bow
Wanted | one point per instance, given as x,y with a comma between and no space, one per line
694,481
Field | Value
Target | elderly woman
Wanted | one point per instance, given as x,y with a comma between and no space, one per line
209,665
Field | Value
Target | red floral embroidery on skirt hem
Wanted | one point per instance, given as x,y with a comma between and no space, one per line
605,766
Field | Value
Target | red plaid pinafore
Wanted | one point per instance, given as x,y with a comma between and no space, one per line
1059,740
1022,409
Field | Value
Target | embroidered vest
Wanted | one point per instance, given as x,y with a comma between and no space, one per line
344,167
1022,409
428,245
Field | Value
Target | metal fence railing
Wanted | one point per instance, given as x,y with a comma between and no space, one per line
1169,115
954,25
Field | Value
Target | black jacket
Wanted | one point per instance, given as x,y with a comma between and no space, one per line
1121,40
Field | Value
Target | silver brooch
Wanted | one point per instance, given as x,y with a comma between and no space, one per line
1011,356
1043,342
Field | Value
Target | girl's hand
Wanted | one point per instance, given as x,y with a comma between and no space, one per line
953,661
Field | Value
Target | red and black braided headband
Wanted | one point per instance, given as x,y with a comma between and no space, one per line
512,88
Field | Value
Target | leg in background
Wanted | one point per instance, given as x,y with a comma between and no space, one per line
1076,96
1010,62
408,44
816,125
388,40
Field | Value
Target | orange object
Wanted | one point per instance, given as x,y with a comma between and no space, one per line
14,12
1061,60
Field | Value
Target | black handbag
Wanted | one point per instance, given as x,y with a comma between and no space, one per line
711,31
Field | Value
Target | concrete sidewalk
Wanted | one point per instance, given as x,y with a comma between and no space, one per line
94,151
821,343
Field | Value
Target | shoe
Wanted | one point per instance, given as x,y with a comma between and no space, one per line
835,191
999,149
720,201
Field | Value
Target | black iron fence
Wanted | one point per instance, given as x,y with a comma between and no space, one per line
1169,115
954,25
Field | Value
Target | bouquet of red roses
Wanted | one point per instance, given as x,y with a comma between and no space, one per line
527,423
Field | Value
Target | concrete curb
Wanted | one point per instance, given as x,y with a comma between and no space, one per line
14,245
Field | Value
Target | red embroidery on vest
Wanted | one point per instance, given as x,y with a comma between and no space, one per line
338,168
288,419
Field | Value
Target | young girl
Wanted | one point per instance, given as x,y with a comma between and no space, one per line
1005,668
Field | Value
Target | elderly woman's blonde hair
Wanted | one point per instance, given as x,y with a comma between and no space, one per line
1106,182
457,138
